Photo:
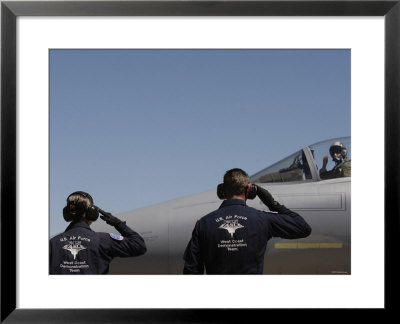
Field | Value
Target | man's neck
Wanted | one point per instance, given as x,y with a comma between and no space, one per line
241,197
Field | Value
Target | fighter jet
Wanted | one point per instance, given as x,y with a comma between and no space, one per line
294,182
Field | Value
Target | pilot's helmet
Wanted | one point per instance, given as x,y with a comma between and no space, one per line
338,147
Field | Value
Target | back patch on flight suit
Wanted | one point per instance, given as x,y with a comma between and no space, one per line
116,237
232,223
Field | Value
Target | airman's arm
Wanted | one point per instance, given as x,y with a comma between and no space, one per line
193,257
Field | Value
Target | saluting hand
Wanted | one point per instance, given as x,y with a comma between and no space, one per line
325,161
110,219
266,197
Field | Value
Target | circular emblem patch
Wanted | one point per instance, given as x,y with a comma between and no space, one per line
116,237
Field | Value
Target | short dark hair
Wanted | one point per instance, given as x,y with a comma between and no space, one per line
78,202
235,182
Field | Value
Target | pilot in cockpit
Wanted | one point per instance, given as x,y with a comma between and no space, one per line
342,166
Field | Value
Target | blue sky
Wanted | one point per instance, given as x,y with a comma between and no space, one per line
138,127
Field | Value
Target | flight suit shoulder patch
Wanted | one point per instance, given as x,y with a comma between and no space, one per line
116,237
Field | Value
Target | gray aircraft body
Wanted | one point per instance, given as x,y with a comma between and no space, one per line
294,182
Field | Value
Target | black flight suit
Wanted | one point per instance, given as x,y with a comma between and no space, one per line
80,250
233,239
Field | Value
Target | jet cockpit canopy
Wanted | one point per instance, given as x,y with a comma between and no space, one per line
302,165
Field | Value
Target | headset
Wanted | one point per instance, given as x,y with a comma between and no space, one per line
251,191
75,208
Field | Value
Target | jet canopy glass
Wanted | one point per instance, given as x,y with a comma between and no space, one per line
293,168
304,165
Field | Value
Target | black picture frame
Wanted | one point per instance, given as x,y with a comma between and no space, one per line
10,10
